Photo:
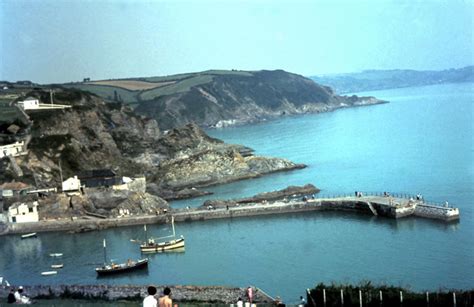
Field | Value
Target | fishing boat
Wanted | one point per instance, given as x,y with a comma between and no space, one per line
48,273
151,246
29,235
57,266
113,268
56,255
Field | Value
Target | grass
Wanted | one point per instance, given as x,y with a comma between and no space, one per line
177,87
133,95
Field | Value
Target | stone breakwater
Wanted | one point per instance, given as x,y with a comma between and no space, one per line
390,207
200,294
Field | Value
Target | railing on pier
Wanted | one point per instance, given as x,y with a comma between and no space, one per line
403,195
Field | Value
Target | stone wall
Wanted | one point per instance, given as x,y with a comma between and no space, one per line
202,294
436,212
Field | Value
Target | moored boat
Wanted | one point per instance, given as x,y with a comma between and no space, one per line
57,266
131,265
113,268
29,235
48,273
56,255
151,247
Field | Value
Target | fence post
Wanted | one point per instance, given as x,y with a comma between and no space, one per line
360,298
324,297
342,297
308,293
427,299
454,299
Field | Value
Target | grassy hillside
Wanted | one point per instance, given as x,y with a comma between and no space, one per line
166,85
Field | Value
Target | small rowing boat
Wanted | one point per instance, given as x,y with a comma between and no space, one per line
48,273
29,235
57,266
56,255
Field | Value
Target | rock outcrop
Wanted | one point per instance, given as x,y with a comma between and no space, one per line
291,191
93,134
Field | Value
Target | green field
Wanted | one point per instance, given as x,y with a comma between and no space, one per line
184,82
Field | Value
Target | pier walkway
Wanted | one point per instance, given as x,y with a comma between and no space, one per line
396,206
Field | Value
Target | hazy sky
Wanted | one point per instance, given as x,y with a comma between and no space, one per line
65,40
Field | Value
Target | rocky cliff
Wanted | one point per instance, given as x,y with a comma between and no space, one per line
220,98
93,134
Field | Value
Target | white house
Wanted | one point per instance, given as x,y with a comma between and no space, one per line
71,184
23,212
14,150
29,104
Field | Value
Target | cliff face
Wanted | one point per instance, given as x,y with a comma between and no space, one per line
220,98
97,135
237,99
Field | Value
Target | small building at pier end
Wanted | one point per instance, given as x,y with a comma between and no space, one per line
23,212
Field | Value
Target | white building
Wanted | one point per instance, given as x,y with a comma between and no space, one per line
29,104
71,184
23,213
13,150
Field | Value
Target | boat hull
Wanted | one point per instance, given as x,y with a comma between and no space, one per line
122,268
29,235
167,246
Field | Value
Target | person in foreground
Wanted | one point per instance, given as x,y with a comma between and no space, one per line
20,298
165,300
150,300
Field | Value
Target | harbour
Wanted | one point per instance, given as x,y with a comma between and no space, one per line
311,246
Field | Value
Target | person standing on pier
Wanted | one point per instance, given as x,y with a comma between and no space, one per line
250,294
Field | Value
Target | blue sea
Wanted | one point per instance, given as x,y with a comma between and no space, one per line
420,142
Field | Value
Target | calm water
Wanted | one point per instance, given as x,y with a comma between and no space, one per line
421,142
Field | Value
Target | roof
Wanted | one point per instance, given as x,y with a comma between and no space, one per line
28,204
14,186
96,173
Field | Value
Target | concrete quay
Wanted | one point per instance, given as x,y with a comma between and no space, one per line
391,207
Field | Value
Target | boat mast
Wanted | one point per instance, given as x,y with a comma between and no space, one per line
146,236
172,224
105,253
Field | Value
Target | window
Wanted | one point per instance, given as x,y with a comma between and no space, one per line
30,209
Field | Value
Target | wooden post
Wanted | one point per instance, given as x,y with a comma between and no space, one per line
342,297
427,299
360,298
324,297
380,296
454,299
401,297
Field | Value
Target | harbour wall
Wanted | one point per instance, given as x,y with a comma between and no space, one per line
397,208
201,294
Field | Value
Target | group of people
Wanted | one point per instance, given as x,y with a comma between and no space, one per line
162,301
17,297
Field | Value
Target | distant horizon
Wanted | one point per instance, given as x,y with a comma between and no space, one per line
218,69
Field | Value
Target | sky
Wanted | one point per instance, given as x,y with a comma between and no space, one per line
50,41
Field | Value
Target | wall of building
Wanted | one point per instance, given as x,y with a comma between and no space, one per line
13,150
23,214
